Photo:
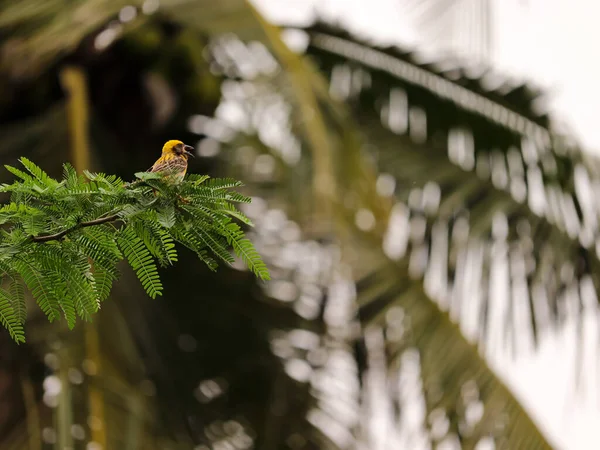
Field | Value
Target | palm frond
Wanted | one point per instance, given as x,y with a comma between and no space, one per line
448,180
455,379
42,31
424,158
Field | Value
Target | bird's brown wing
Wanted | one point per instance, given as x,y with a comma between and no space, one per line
171,165
172,168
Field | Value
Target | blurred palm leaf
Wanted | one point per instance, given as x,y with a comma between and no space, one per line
499,181
404,157
40,31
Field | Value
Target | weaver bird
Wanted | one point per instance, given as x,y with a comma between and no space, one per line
174,160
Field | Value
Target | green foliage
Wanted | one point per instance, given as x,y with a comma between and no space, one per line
62,240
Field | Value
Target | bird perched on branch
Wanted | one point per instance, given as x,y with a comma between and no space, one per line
174,160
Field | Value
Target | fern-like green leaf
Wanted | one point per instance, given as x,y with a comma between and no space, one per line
70,176
205,235
159,243
58,286
245,250
104,278
223,183
106,183
231,210
76,277
236,197
38,173
19,173
99,244
16,186
168,244
197,179
17,298
141,261
9,319
145,176
62,239
212,242
37,284
189,240
15,212
203,193
166,216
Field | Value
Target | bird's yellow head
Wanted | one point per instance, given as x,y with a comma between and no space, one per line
177,148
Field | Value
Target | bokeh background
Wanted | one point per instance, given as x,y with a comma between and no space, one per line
424,189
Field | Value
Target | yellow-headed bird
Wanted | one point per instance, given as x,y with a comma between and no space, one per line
174,160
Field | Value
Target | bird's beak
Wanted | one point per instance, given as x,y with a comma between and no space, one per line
188,150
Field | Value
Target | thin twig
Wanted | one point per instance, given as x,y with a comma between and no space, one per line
61,234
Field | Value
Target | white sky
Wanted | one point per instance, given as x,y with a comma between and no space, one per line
553,42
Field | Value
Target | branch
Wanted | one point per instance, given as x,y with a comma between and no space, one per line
60,235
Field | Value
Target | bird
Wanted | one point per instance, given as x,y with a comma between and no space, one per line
173,161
